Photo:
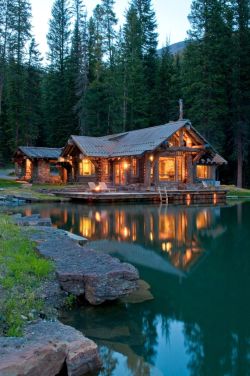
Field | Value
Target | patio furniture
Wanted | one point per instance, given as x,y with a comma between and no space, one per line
92,186
103,187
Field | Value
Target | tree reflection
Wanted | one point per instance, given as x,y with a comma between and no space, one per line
208,292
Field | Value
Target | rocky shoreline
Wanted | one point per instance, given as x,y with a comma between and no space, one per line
45,349
48,346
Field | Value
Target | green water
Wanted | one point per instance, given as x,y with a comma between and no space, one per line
197,263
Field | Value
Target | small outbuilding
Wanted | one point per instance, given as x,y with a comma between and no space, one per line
39,165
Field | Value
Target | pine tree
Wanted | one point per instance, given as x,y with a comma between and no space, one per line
205,69
33,113
241,82
163,98
79,63
19,26
149,41
135,90
58,97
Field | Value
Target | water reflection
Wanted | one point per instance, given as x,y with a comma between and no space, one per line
176,233
197,325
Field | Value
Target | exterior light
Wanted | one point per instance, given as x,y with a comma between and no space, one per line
125,232
125,165
98,217
169,246
151,158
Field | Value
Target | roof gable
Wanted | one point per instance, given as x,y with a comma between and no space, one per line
134,142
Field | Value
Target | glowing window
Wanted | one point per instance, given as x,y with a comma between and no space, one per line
167,168
86,168
134,167
202,172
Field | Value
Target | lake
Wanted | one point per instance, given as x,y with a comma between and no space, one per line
197,263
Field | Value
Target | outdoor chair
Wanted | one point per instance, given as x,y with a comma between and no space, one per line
104,188
204,184
92,186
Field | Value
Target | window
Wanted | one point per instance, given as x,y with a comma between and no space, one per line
167,169
105,167
54,171
134,167
202,172
86,168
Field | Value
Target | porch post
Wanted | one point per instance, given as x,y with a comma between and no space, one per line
156,170
147,171
190,169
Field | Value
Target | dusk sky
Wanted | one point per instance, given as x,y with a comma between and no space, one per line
171,17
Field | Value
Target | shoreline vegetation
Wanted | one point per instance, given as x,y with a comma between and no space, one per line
22,271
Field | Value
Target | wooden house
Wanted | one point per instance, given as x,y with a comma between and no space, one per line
40,165
173,154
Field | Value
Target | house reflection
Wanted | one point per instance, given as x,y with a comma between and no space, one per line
177,233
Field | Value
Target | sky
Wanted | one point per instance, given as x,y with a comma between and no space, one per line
171,17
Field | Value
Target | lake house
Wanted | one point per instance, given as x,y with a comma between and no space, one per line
173,154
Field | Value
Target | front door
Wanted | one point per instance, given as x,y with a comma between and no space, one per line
120,174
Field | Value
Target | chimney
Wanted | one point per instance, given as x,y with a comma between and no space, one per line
181,109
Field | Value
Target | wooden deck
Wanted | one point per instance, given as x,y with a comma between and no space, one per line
186,197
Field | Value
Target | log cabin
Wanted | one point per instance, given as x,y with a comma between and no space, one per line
38,165
175,155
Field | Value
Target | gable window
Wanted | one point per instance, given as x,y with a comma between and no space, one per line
202,172
86,168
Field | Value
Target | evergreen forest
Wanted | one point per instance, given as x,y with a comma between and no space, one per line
99,79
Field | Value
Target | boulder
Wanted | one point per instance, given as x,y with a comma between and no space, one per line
96,276
45,349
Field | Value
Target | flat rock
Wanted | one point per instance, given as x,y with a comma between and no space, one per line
79,239
142,294
83,272
32,220
45,348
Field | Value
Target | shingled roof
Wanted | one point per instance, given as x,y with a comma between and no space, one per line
129,143
40,153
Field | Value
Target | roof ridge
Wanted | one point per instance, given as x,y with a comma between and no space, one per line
39,147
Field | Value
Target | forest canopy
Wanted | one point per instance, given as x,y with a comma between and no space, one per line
100,79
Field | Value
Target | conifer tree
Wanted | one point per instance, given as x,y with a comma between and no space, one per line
79,64
18,34
163,99
149,40
205,69
135,90
57,100
240,109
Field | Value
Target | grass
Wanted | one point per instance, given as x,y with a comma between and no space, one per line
4,183
10,187
21,272
239,192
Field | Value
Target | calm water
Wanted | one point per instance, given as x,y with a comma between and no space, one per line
197,262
